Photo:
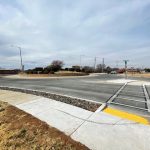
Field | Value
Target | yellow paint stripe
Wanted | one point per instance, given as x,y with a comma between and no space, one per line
126,115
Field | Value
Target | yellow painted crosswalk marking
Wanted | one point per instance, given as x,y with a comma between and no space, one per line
126,115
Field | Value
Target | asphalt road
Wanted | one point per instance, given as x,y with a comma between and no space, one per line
91,87
95,88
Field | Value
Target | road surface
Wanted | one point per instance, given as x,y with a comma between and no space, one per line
97,88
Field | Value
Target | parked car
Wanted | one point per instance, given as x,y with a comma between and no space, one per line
113,72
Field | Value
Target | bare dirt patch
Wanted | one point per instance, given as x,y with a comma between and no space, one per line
19,130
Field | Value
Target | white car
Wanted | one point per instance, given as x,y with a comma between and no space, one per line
113,72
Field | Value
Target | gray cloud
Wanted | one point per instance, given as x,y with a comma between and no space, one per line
65,29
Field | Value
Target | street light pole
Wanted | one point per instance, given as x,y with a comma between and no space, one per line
103,65
126,61
95,62
95,59
21,58
81,61
20,52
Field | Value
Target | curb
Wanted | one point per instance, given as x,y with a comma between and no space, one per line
82,103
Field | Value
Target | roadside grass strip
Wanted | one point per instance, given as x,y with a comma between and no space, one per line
126,115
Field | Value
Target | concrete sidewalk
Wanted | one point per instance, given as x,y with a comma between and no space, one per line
98,131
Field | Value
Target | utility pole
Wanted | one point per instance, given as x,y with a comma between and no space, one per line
20,52
22,68
81,61
103,65
126,61
95,62
117,63
95,59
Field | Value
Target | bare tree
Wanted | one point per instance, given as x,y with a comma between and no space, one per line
100,67
56,65
88,69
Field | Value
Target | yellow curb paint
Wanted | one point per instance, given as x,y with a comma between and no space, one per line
126,115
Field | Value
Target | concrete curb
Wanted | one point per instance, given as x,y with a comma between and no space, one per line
82,103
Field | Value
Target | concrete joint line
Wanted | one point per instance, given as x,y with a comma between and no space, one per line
81,124
101,108
87,120
146,97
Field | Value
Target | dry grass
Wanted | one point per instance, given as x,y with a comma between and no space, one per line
21,131
57,74
35,75
145,75
70,73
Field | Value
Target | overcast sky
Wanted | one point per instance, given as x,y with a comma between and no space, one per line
65,29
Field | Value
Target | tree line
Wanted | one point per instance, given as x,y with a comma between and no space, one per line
57,65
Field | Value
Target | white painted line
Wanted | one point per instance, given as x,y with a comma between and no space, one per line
116,94
132,95
131,92
130,99
129,106
147,97
103,106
